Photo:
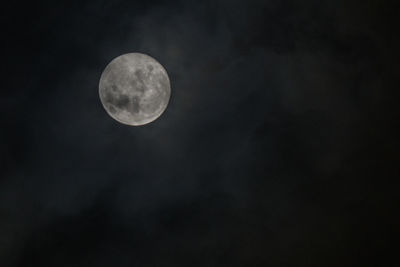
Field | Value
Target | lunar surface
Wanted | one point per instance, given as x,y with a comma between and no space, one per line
134,89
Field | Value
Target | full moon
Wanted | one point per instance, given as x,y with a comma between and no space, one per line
134,89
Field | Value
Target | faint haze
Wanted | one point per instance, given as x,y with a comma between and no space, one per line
277,147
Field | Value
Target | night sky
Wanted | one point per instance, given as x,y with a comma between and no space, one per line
278,147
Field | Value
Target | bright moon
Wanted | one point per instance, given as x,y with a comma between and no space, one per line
134,89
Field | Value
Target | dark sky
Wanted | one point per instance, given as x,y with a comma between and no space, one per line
278,147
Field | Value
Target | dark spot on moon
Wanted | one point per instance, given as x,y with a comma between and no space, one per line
140,75
134,106
122,101
108,97
150,68
116,100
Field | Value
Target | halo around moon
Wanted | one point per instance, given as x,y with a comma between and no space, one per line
134,89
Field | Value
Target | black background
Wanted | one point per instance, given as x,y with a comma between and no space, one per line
278,147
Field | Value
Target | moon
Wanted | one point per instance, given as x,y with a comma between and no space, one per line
134,89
